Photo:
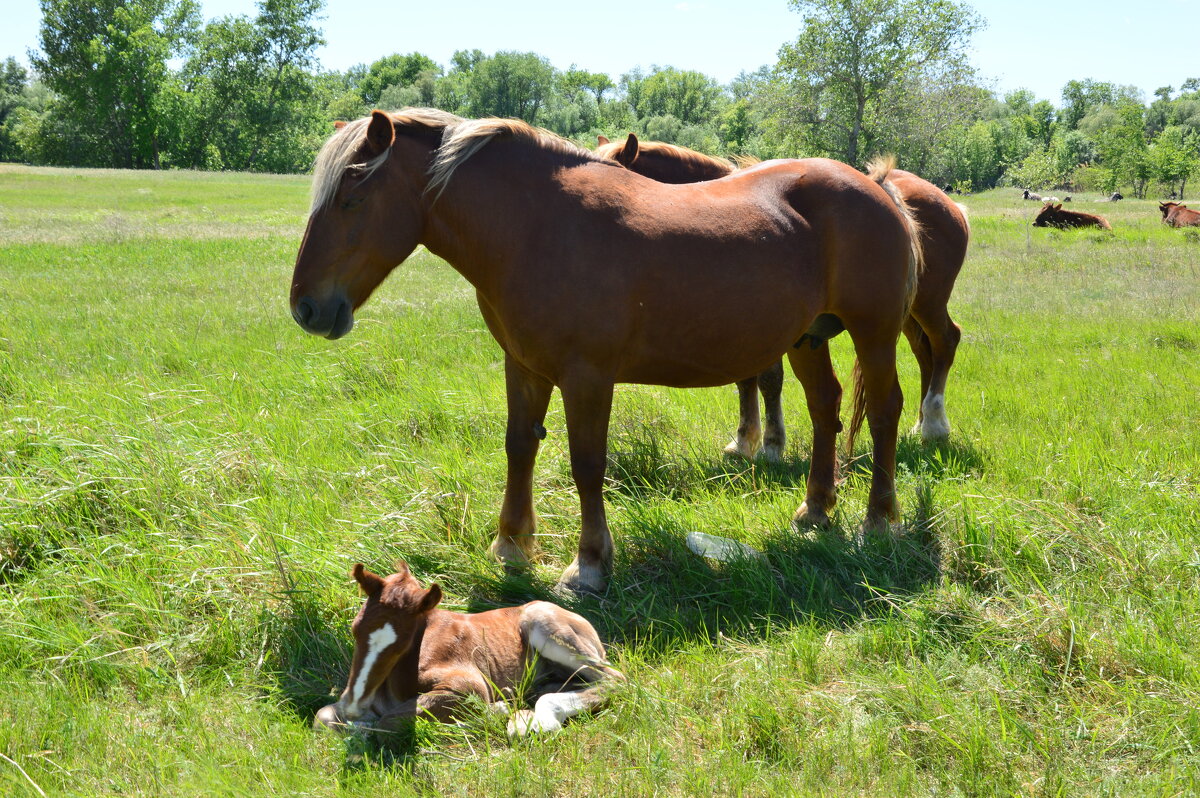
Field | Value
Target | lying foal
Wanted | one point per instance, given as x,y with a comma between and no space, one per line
412,659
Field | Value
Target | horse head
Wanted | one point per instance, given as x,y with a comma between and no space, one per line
367,217
384,631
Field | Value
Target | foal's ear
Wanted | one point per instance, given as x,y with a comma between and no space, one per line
380,133
432,596
629,152
601,140
370,583
339,124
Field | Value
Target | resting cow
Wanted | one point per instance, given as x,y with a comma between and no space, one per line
1055,216
1177,215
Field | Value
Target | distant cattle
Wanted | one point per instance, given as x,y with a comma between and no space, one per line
1177,215
1116,195
1054,216
1029,195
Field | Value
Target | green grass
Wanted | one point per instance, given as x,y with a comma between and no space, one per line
186,479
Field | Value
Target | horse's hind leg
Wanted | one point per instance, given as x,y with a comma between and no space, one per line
823,394
770,382
749,433
528,397
943,336
918,341
884,403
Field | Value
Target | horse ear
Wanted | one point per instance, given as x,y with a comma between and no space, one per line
380,133
1058,207
629,152
370,583
339,124
432,596
601,141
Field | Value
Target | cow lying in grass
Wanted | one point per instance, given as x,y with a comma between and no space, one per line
1054,216
412,659
1177,215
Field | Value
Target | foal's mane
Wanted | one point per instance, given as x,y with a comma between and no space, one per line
461,138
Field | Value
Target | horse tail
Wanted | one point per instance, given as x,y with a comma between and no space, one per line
878,170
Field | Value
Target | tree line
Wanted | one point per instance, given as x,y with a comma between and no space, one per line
146,84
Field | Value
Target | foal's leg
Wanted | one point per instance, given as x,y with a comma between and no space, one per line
553,709
823,394
587,400
749,432
943,336
884,400
528,397
770,382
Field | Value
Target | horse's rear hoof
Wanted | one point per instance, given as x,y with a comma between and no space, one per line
741,448
807,517
582,580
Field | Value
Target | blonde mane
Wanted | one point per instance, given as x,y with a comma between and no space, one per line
461,138
688,156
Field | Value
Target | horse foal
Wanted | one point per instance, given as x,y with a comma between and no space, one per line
412,659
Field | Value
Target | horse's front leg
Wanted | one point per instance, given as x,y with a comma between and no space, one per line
587,400
528,397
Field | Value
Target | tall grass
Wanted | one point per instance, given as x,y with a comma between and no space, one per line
186,478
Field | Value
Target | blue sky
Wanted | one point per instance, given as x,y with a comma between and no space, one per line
1033,44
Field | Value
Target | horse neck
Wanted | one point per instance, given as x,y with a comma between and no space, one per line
476,224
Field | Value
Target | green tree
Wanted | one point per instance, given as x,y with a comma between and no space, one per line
393,70
107,61
507,84
691,97
850,53
248,88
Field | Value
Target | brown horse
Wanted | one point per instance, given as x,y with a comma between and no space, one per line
932,334
1176,215
412,659
1054,216
589,275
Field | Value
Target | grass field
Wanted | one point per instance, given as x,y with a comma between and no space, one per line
186,479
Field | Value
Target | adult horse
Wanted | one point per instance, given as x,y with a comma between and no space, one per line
932,333
589,275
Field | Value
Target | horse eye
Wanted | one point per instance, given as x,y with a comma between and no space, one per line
352,203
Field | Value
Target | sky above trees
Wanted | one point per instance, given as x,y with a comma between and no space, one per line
1030,44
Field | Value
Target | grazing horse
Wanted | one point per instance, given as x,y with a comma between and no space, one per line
589,275
1176,215
932,334
1054,216
412,659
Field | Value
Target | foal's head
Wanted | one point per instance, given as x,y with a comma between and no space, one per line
384,631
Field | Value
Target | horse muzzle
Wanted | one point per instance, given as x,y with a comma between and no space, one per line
331,319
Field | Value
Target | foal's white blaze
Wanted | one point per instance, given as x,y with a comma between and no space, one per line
934,423
377,641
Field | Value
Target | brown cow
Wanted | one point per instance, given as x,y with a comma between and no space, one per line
1055,216
1177,215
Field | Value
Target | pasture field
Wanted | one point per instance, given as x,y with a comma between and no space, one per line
186,479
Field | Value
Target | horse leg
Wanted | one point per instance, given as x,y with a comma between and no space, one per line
528,397
749,432
587,401
943,336
884,403
551,710
918,342
770,382
823,394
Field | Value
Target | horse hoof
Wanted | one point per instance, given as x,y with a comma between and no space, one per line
771,453
582,580
741,448
510,555
520,723
807,517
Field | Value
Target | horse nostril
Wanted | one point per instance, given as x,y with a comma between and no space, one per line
306,310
